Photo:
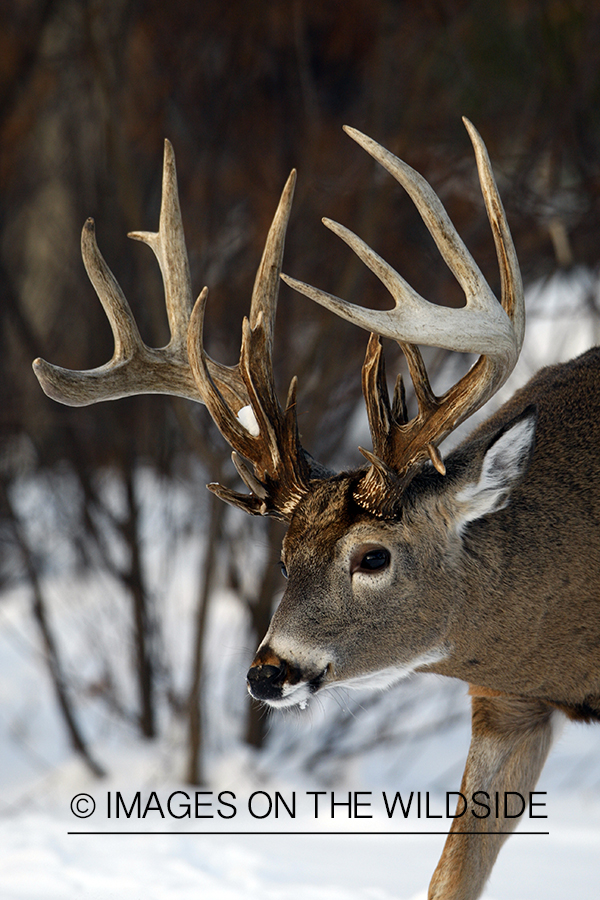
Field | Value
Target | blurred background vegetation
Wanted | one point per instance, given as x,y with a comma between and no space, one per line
246,91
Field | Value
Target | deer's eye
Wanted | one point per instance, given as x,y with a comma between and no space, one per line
284,571
373,560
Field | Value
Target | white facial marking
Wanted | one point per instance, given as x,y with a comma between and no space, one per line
292,695
313,659
385,678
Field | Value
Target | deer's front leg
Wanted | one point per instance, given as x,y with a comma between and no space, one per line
510,741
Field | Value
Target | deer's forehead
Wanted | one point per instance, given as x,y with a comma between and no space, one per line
324,512
328,514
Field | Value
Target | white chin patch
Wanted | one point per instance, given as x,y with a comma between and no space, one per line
292,695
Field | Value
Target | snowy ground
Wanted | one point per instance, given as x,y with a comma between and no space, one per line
252,858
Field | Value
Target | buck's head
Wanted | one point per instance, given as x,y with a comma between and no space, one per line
369,554
371,596
353,609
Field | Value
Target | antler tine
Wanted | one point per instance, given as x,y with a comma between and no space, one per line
262,322
266,284
511,297
168,245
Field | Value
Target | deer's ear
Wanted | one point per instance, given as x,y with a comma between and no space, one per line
504,464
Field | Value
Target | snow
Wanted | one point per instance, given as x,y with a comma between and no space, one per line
247,418
248,856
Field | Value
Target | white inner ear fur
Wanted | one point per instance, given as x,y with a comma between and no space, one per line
502,465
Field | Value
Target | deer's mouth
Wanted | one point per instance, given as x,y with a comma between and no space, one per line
282,684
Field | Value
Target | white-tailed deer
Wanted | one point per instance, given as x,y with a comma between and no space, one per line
483,567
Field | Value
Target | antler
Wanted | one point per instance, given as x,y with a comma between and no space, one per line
240,398
136,368
269,437
484,326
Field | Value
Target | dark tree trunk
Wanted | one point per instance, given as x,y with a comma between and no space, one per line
195,768
142,623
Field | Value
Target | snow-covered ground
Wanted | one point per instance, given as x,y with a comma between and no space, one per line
41,859
252,854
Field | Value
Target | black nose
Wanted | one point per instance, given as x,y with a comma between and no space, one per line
266,681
